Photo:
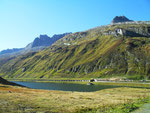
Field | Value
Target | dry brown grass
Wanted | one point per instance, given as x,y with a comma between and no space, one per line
16,99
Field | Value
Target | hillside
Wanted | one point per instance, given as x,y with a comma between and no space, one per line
118,49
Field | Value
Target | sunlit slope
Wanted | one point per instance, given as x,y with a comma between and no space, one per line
94,53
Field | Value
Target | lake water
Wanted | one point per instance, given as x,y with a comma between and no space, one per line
64,86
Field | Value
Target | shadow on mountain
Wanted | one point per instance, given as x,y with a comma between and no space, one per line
3,81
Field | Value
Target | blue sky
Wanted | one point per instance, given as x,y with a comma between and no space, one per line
23,20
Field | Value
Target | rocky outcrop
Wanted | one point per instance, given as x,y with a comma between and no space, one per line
120,19
130,31
42,40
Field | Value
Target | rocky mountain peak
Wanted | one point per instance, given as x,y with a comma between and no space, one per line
42,40
43,37
120,19
45,40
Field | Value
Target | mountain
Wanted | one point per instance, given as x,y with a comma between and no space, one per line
115,49
7,51
39,43
44,41
120,19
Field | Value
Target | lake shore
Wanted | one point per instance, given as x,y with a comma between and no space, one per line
135,83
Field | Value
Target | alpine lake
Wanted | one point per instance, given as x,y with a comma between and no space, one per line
65,86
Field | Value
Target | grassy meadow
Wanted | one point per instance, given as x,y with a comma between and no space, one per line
14,99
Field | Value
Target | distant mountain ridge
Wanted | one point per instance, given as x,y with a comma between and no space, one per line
44,40
10,51
39,43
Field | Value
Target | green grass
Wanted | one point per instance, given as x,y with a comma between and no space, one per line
16,99
123,108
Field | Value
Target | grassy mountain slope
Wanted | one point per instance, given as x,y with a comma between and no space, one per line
94,53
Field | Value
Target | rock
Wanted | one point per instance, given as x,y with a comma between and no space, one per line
10,91
89,83
92,80
23,69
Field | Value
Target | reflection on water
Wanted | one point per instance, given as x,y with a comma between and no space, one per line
64,86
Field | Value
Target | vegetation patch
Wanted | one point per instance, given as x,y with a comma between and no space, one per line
127,107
